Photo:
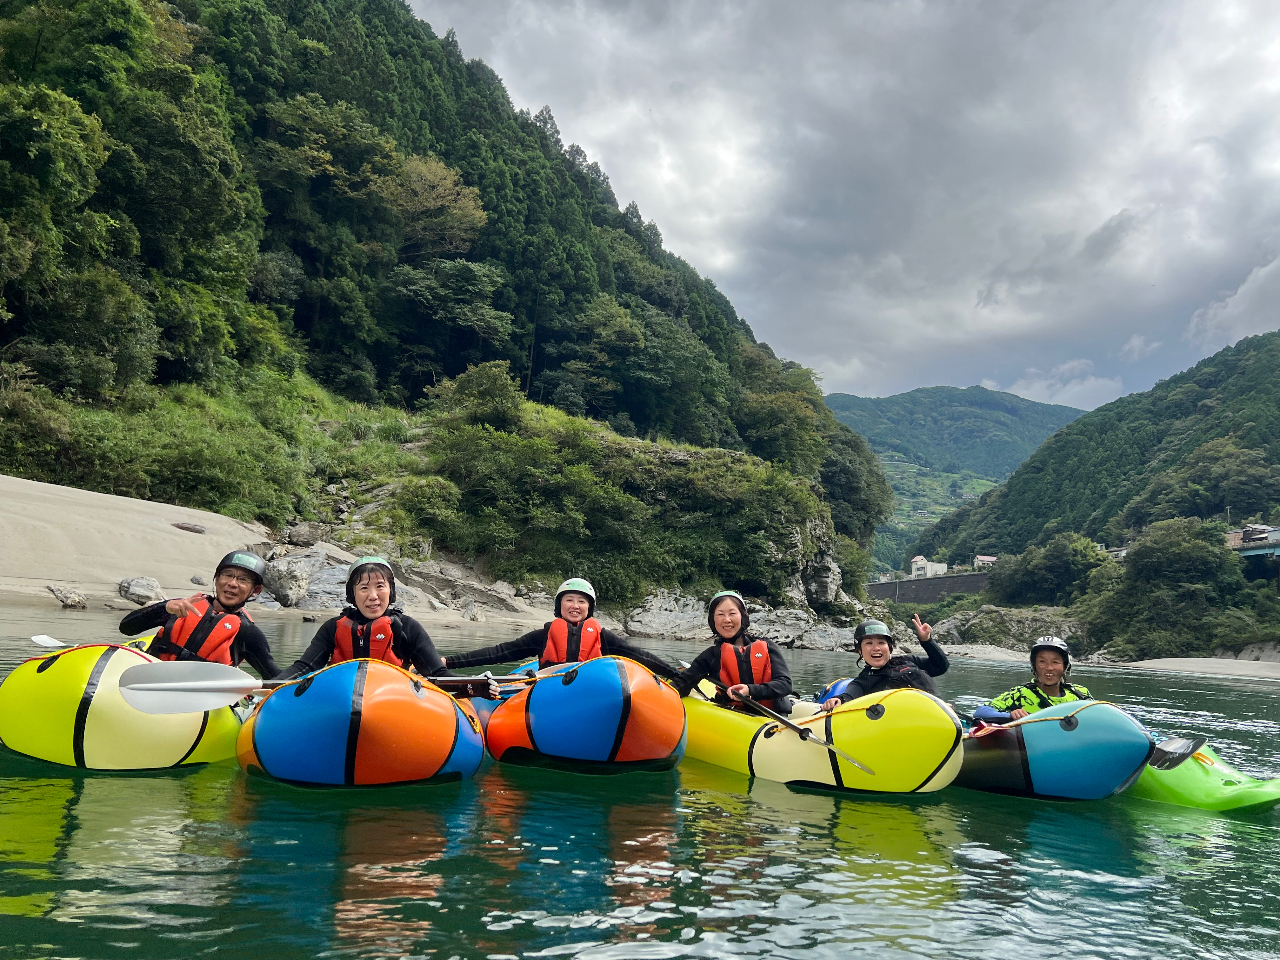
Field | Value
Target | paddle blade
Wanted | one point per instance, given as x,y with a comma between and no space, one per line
1170,753
179,687
47,641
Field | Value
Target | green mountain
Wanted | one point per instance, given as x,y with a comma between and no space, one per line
951,429
250,248
1196,445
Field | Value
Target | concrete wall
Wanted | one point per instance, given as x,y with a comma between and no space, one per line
927,590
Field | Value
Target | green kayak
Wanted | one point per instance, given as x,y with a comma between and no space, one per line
1206,781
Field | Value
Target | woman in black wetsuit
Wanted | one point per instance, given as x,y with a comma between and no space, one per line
883,670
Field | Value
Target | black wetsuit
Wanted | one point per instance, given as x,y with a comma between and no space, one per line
707,664
900,671
250,644
535,641
409,642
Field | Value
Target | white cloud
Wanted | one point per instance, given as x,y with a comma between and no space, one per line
1071,384
1254,307
1137,348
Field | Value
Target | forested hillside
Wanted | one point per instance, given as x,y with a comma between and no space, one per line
1203,441
952,430
208,208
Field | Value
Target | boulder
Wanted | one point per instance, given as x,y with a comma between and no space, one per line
189,527
821,579
668,613
1268,652
142,590
472,612
1010,627
70,599
199,581
288,578
306,534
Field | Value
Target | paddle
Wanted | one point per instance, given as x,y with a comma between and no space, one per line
1174,751
47,641
193,687
804,733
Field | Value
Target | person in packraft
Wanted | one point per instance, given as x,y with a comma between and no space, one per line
371,627
573,636
1050,668
211,628
883,669
747,666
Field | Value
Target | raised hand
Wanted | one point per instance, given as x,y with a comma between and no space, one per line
922,629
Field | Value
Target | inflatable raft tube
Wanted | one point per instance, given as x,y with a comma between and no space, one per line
66,708
1207,782
1072,751
605,715
361,723
909,738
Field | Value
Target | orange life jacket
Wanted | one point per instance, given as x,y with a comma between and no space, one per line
367,641
731,667
556,650
203,635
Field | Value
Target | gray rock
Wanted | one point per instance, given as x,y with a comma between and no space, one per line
1012,628
306,534
821,578
288,578
189,527
70,599
142,590
327,586
502,587
199,581
668,613
473,613
1257,652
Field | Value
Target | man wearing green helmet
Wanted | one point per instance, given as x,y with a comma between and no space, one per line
212,628
746,666
370,628
1050,667
574,635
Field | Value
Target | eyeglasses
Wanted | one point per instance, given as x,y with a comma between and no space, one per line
241,578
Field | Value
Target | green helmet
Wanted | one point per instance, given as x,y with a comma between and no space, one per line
715,602
244,560
872,628
365,565
577,585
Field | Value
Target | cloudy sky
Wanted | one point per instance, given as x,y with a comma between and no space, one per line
1067,199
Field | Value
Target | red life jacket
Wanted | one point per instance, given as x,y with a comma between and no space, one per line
203,635
731,668
556,650
373,640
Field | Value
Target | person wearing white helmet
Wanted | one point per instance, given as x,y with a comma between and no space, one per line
745,665
573,636
370,628
1050,667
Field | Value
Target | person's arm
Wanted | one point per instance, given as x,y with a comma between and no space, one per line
934,662
256,650
317,654
416,647
150,617
522,648
853,691
704,665
779,684
612,645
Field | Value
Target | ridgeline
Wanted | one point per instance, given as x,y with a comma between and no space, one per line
251,251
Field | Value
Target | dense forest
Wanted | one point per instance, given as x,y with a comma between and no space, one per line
1196,445
953,430
240,238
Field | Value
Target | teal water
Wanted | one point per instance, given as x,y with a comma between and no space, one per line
698,862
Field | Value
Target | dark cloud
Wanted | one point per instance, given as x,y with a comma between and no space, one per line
913,193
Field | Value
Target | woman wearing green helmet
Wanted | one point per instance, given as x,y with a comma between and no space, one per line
883,670
574,635
370,627
746,666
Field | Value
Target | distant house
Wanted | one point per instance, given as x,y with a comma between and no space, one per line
968,496
920,568
983,560
922,513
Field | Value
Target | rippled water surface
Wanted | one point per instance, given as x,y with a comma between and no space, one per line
698,862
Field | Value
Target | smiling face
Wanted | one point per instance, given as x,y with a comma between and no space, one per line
1048,667
574,607
727,618
373,594
875,651
233,587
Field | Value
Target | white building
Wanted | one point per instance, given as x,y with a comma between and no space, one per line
920,568
982,560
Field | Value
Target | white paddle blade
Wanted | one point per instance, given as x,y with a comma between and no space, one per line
46,641
177,687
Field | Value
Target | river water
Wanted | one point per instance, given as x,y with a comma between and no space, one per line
698,862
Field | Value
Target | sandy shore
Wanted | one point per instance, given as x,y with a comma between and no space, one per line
89,542
1256,669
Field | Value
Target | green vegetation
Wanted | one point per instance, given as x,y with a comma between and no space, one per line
953,430
922,495
249,248
1203,441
